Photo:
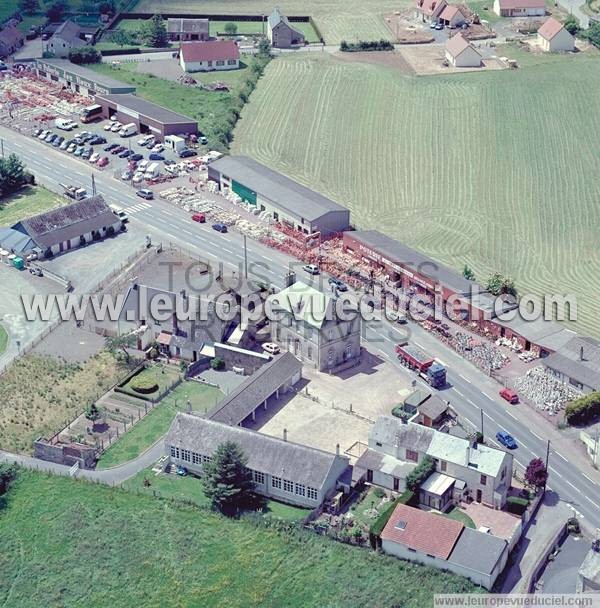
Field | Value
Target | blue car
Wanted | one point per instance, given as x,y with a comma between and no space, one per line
181,471
507,440
136,157
155,156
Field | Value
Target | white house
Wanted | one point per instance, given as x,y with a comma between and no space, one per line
553,37
453,16
67,37
520,8
460,53
209,56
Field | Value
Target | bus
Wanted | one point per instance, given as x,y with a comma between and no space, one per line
90,113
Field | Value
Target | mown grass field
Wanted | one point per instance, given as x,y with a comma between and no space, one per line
496,169
29,201
69,543
336,19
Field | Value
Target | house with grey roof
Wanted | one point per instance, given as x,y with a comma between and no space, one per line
11,40
182,29
281,33
464,468
69,35
287,471
67,227
577,363
306,324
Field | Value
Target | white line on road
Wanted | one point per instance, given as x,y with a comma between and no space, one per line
417,344
440,361
512,415
536,435
574,487
463,378
212,255
588,478
553,470
560,456
594,503
490,398
227,250
457,391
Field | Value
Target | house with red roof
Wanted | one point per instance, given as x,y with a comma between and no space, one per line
554,38
441,542
209,56
453,16
520,8
460,53
429,10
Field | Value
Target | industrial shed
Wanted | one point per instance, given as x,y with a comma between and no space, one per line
577,363
284,199
149,117
78,78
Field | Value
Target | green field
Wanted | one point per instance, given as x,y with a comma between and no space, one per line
3,339
70,543
336,19
496,170
29,201
157,422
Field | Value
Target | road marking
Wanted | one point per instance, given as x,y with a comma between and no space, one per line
440,361
512,415
560,456
490,398
167,212
594,503
553,470
575,488
588,478
227,250
212,255
417,344
472,403
536,435
457,391
80,174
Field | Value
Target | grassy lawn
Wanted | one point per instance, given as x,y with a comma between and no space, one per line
156,423
460,516
369,508
39,394
29,201
499,194
162,375
3,339
484,8
147,552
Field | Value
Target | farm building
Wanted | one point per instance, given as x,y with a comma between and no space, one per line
209,56
520,8
79,78
440,542
429,10
283,470
453,16
149,117
554,37
68,227
460,53
11,40
69,35
187,29
281,33
577,363
282,198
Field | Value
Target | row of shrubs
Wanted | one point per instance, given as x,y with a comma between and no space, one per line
366,45
584,409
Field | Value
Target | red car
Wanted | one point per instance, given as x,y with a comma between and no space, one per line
199,217
117,150
102,162
509,395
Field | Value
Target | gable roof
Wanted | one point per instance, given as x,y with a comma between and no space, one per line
270,455
450,11
392,431
70,32
245,398
430,7
422,531
458,44
15,241
568,360
187,26
211,50
477,551
10,35
276,17
68,222
304,302
550,28
511,4
376,461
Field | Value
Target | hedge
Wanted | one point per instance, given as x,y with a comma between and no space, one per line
516,505
406,498
584,409
144,385
420,473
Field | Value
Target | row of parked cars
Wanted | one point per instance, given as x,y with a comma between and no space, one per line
76,146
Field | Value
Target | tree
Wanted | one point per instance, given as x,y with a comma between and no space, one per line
468,273
536,474
153,32
120,343
593,34
498,284
572,25
122,38
226,480
231,28
29,7
13,174
56,11
7,474
85,54
264,48
92,413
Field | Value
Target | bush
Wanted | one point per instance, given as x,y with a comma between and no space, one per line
364,45
85,54
143,384
584,409
572,25
217,363
379,492
516,505
420,473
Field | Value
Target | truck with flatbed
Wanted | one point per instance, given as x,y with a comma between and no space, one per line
432,371
77,193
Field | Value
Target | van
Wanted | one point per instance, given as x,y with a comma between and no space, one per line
509,395
128,130
175,142
143,164
152,171
64,124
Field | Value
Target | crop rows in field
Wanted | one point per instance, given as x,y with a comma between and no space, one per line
497,170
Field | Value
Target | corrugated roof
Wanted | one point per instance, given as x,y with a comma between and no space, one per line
270,455
568,361
437,483
281,190
211,50
146,108
477,551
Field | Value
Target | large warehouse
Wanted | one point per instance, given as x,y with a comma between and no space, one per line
284,199
79,78
149,117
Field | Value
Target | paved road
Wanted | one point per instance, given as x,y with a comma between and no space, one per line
470,391
574,8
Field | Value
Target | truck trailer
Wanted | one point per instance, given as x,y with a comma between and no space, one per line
433,372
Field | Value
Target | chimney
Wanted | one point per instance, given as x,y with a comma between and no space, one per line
289,279
468,452
581,353
337,449
285,434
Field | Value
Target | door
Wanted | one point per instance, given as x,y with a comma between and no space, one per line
478,499
396,484
370,475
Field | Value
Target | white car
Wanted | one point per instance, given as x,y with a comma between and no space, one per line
138,178
116,127
109,125
43,134
271,348
311,269
158,148
144,140
126,175
65,144
94,157
72,148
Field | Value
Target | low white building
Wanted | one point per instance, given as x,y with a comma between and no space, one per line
460,53
209,56
520,8
554,38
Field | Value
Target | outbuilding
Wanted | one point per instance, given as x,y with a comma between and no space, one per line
285,200
554,37
281,33
460,53
11,40
209,56
187,29
520,8
147,116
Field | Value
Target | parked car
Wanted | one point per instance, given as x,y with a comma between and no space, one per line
50,137
95,157
203,140
36,132
150,143
155,156
395,317
181,471
122,216
97,139
143,141
311,269
199,217
124,153
339,285
126,175
146,194
65,144
439,26
59,140
80,150
271,348
109,125
138,178
43,134
507,440
220,228
86,137
117,150
72,147
169,162
433,24
136,157
87,153
102,162
186,153
509,395
158,148
116,127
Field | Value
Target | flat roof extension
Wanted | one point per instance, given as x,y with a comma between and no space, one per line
146,108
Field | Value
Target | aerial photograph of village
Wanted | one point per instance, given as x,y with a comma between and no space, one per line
299,303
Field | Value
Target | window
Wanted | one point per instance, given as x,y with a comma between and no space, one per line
503,474
483,480
412,456
205,458
276,482
259,477
300,489
186,455
443,465
174,452
220,62
309,353
288,486
231,62
378,444
196,458
311,493
209,63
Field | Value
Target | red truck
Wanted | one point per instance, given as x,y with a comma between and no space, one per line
429,369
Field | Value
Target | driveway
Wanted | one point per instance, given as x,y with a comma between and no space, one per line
560,575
